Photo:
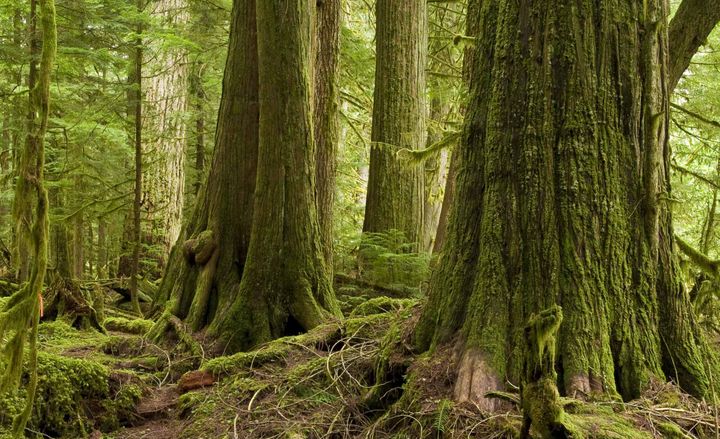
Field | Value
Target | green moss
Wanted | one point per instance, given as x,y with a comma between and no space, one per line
380,305
671,431
271,352
131,326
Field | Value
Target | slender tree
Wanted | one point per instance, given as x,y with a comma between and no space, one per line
24,308
326,52
137,104
395,190
564,182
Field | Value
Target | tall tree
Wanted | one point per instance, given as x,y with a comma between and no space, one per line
166,100
24,308
326,51
395,190
564,180
207,280
285,285
137,108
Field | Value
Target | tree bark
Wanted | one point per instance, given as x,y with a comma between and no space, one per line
26,167
225,204
137,200
395,188
472,31
565,169
689,29
286,286
326,52
166,98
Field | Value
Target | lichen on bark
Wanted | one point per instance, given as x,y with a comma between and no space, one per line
564,166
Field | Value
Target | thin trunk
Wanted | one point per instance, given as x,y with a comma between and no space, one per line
26,170
395,188
78,244
472,31
326,51
103,251
137,201
24,307
90,254
197,91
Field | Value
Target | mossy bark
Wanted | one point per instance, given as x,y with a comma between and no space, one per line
225,204
250,266
395,188
286,286
326,53
564,173
24,308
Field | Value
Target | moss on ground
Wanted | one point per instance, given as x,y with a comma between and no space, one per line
130,326
74,397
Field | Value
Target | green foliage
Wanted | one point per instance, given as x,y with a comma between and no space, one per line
389,259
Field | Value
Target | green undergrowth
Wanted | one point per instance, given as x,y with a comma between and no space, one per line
130,326
353,378
88,381
359,378
75,396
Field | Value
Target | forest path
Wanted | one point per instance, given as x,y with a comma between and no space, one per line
156,413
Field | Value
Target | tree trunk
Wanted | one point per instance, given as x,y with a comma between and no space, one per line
225,204
395,188
137,200
166,97
472,31
286,286
24,308
565,173
199,96
26,167
689,29
103,250
326,52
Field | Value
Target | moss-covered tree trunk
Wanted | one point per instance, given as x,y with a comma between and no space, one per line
326,53
395,188
562,200
250,267
286,286
224,208
20,314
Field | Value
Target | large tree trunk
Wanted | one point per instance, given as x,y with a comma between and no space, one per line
225,204
326,51
564,174
395,188
286,286
166,97
472,24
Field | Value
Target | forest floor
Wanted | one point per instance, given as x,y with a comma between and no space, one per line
355,378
